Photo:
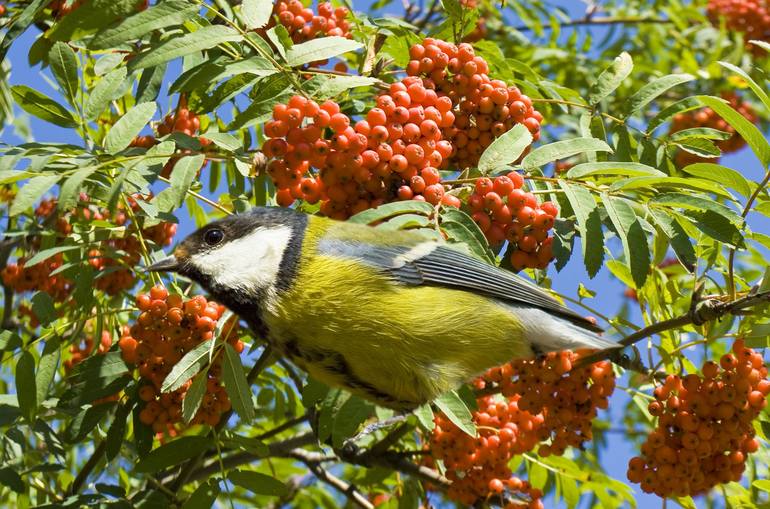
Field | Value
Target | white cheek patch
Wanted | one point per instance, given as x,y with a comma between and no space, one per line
250,263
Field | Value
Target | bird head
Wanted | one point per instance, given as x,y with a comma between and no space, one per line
239,255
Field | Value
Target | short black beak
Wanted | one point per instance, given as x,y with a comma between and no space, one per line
168,264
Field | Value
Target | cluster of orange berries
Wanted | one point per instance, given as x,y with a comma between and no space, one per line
706,117
705,431
478,466
504,211
114,258
544,399
484,108
750,17
388,154
167,328
80,351
303,24
180,120
565,393
446,112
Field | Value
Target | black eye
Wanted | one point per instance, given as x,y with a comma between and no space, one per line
213,237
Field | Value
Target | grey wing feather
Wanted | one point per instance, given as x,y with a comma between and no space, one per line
444,266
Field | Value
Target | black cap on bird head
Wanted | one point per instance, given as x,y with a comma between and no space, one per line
242,256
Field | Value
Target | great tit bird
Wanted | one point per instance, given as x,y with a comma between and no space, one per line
392,316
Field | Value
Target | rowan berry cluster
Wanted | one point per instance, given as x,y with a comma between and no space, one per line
478,466
113,258
750,17
484,108
566,394
445,113
504,211
303,24
707,117
317,155
705,432
544,399
180,120
167,328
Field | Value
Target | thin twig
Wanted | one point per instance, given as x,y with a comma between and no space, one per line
347,489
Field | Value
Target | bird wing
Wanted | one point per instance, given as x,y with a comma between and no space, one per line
432,263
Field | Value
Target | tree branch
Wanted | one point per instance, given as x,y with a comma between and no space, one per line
322,474
700,312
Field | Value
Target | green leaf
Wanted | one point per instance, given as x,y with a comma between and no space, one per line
71,188
225,141
194,397
460,227
611,78
43,107
187,367
389,210
256,482
456,411
106,90
64,66
256,13
687,104
612,168
692,202
204,495
700,132
677,237
248,444
742,125
92,16
43,307
561,150
117,432
22,19
173,453
203,38
654,89
669,182
11,479
589,225
163,15
761,484
506,149
10,341
182,176
319,49
26,392
632,236
721,174
85,421
128,126
236,384
424,415
46,369
716,226
349,418
758,90
335,85
31,192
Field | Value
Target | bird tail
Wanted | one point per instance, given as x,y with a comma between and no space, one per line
548,333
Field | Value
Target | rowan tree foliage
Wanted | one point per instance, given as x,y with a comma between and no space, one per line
546,144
